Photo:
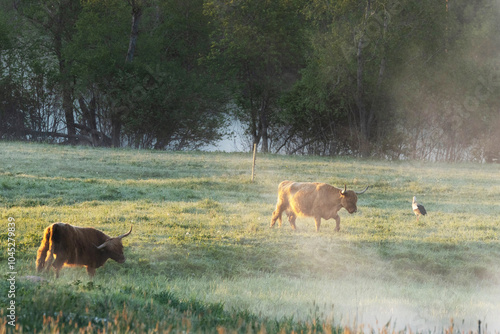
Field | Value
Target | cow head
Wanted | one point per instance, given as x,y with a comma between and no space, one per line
113,247
349,198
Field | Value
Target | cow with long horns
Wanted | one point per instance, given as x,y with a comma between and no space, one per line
65,244
313,199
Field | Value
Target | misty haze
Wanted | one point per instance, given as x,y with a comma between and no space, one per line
145,113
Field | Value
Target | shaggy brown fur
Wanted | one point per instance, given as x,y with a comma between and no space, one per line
313,199
64,244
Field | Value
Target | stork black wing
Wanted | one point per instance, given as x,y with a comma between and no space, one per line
421,209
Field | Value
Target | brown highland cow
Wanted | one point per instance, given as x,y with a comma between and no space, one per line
64,244
313,199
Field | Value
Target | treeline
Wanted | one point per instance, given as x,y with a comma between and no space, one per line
393,78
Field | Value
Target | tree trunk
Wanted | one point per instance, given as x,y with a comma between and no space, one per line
264,126
68,113
116,118
364,127
256,131
134,31
67,95
93,119
380,77
116,127
360,90
89,117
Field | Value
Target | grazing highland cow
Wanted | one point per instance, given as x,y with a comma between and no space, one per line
313,199
79,246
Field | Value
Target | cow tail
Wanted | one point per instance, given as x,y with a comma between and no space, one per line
45,247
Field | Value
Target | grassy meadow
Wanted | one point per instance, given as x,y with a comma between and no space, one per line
202,258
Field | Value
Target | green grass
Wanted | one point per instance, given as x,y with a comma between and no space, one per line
203,258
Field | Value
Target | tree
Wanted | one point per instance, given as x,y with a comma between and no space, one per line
352,48
28,111
389,78
173,100
98,50
445,93
359,49
57,19
260,45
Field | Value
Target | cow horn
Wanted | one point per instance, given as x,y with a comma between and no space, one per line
126,234
362,192
120,237
103,245
343,191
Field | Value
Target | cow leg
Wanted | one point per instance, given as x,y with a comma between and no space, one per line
91,271
58,264
48,261
317,222
337,220
277,214
291,220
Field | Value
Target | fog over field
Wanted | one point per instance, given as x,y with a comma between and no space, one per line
362,289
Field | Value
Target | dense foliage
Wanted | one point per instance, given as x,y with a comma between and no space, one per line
389,78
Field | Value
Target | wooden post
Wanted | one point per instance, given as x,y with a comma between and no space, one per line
253,161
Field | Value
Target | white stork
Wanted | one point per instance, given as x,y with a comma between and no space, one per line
418,208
